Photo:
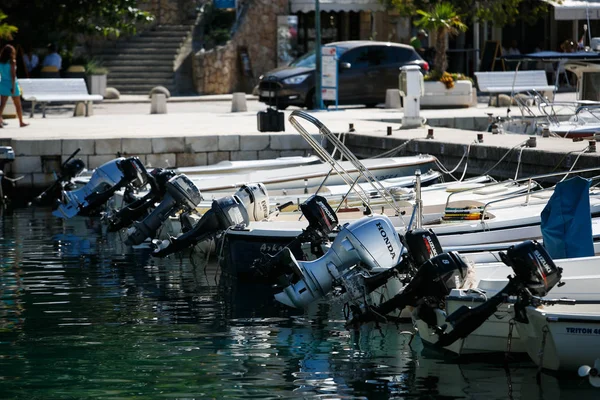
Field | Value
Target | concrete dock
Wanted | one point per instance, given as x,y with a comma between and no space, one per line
203,130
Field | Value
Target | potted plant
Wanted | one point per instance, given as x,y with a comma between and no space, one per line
441,87
96,77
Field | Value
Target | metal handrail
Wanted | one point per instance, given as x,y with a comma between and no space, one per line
362,171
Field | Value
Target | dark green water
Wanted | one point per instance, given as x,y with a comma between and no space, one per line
82,316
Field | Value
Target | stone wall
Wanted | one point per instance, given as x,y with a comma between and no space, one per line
218,71
171,12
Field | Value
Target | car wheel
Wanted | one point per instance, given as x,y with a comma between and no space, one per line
311,100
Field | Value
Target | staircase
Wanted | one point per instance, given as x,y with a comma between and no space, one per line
137,64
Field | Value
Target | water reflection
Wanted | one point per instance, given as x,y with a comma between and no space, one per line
82,316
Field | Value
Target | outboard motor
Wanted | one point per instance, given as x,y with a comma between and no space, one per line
371,241
433,281
157,179
535,275
181,194
105,181
69,169
249,203
322,220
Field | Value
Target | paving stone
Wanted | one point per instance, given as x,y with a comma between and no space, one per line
229,142
292,153
268,154
108,146
254,142
202,143
290,142
136,146
162,160
217,156
243,155
27,164
36,147
168,145
191,160
86,147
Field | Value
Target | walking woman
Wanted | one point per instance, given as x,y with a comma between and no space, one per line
8,82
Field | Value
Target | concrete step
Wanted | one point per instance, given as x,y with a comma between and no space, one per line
149,74
152,39
138,80
139,68
153,58
140,89
149,49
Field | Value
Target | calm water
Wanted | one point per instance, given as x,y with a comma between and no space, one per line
82,316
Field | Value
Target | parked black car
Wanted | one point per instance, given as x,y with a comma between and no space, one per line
366,70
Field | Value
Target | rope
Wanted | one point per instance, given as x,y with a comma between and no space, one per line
538,375
392,152
575,162
444,170
503,157
519,162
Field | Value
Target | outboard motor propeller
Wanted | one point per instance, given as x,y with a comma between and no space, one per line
322,220
105,181
249,203
181,194
535,275
157,179
371,241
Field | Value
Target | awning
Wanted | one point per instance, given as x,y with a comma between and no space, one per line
575,9
336,5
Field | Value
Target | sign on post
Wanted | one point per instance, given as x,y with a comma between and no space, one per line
329,74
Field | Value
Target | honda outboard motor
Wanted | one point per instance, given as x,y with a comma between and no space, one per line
371,241
249,203
535,275
181,194
432,282
322,220
157,179
105,181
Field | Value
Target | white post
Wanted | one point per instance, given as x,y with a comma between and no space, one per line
412,89
575,31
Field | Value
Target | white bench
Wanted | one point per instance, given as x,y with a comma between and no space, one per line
56,90
497,82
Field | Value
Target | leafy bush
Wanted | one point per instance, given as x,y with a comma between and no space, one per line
447,78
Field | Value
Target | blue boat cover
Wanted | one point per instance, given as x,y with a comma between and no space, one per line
566,221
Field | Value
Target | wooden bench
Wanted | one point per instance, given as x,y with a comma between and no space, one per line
497,82
45,91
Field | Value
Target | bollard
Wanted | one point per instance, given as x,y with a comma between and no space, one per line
350,127
158,103
429,133
531,142
480,137
392,98
495,129
546,132
389,131
591,146
238,102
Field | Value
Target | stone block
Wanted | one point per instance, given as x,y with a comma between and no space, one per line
243,155
292,153
254,142
108,147
26,180
36,147
229,142
238,102
268,154
191,160
158,103
136,146
27,165
96,161
217,156
392,98
82,157
289,142
51,164
161,160
80,109
202,143
86,147
44,180
168,145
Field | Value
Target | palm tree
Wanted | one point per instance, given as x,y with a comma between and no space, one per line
6,30
441,21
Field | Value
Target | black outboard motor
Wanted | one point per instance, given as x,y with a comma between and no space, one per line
535,275
181,194
322,220
69,169
157,179
105,181
433,281
421,246
249,203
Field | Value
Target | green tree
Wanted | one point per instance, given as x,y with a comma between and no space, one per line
441,21
498,12
6,30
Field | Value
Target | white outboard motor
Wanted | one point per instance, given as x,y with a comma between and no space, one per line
181,194
371,241
250,203
105,181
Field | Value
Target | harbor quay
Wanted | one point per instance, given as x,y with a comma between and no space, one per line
202,130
